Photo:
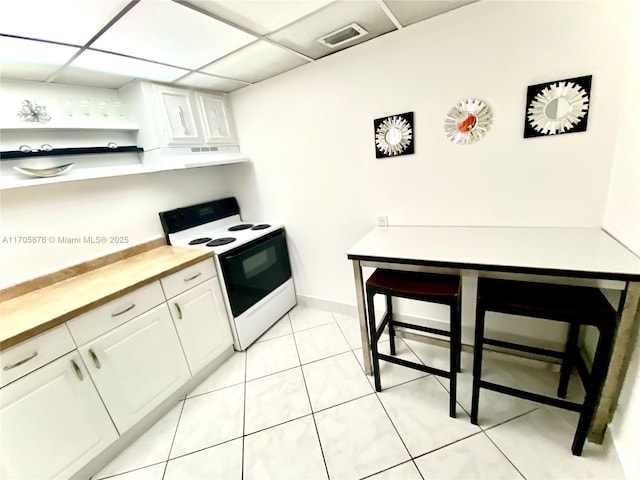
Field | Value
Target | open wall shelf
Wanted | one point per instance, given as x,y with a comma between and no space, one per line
13,154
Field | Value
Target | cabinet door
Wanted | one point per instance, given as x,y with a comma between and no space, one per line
52,422
216,119
137,365
202,324
179,119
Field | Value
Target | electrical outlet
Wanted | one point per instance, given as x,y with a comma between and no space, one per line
383,221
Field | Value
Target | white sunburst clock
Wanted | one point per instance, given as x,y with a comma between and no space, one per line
557,107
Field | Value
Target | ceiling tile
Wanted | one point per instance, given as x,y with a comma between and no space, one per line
207,82
408,12
64,21
256,62
31,60
302,36
129,67
261,16
79,76
170,33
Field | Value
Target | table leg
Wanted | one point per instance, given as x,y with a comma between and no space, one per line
362,316
622,349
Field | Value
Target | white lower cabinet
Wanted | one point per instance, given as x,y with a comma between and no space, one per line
201,322
137,365
52,422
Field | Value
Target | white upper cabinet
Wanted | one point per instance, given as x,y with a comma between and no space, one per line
216,119
178,115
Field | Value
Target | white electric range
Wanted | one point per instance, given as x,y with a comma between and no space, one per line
251,259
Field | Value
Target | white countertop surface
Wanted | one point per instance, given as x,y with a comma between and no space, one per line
591,251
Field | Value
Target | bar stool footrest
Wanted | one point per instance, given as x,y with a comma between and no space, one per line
421,328
535,397
415,366
523,348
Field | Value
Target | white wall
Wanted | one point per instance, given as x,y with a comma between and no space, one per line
122,206
622,219
309,132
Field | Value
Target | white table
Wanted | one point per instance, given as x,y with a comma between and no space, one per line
577,256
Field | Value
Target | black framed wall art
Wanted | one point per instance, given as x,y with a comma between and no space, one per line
557,107
393,135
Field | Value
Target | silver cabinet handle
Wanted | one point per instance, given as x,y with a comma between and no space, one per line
179,311
184,125
193,277
77,370
130,307
20,362
94,358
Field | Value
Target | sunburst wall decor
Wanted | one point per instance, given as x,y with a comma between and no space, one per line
557,107
468,121
394,135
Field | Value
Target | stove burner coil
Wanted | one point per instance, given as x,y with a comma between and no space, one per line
261,226
198,241
220,241
241,226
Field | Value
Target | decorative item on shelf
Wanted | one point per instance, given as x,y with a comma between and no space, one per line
561,106
45,147
394,135
32,112
44,172
468,121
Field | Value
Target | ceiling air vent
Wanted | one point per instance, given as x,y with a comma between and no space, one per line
342,35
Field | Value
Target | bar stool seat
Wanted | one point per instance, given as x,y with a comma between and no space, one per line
573,305
434,288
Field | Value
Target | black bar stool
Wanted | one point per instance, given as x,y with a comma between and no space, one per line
576,306
434,288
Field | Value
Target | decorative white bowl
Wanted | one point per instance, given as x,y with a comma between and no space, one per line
44,172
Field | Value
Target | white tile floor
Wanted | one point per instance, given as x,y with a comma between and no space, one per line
297,405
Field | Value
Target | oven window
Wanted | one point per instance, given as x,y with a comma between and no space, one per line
253,271
260,262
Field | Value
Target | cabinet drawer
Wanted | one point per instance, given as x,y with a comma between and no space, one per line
25,357
100,320
186,278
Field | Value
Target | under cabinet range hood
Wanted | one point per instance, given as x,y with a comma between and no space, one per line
182,127
189,157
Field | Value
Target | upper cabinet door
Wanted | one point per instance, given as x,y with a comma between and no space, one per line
179,118
216,119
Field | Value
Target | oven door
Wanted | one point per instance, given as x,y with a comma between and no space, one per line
253,271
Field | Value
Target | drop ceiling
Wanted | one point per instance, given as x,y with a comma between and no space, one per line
209,44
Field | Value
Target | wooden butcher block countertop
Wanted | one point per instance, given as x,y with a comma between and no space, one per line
52,301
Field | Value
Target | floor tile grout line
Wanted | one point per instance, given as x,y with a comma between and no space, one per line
219,388
304,380
447,445
491,427
244,415
128,471
166,461
392,467
504,454
175,434
198,450
394,427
